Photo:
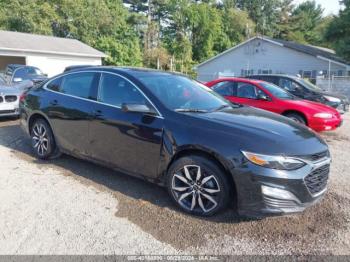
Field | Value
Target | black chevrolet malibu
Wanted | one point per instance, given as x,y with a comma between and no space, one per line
171,130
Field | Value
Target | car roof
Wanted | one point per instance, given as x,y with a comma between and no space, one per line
246,80
15,66
275,75
132,71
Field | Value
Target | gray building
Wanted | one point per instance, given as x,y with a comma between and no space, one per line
264,55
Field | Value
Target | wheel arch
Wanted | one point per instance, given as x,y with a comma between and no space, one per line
292,111
34,116
222,165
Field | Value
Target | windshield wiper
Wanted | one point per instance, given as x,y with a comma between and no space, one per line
227,105
191,110
222,107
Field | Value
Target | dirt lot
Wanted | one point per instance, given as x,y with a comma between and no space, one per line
68,206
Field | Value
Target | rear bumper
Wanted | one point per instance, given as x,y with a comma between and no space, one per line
263,192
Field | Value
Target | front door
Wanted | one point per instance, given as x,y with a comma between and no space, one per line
125,140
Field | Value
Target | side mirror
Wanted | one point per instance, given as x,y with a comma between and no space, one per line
263,97
17,79
138,108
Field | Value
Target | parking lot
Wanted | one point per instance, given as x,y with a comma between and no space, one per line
69,206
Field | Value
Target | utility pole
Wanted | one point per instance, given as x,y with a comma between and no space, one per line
329,75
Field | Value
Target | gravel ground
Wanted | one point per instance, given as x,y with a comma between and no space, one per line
69,206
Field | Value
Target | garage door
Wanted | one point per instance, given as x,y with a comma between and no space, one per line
5,60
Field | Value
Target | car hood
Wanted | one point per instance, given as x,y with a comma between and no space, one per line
311,105
327,93
264,131
9,90
341,97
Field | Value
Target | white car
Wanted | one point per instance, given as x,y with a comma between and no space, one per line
9,97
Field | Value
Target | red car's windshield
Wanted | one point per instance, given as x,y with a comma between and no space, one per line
277,91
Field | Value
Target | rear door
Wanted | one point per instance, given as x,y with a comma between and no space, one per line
69,108
125,140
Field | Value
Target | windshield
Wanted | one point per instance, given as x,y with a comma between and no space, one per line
34,71
308,84
277,91
180,93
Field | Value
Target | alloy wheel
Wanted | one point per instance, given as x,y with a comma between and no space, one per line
40,139
195,190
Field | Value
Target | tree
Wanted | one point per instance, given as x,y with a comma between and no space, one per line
101,24
338,31
305,19
29,16
264,13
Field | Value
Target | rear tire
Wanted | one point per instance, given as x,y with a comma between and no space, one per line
43,142
297,118
198,186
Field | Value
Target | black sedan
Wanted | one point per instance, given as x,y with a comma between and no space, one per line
174,131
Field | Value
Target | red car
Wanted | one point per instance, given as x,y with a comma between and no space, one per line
270,97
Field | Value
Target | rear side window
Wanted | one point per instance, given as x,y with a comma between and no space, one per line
224,88
80,84
115,90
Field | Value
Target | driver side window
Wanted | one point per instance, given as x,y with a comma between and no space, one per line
115,90
289,85
246,90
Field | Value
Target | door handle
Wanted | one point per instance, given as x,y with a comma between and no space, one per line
54,102
97,113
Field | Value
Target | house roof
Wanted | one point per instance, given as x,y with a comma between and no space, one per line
24,42
311,50
319,52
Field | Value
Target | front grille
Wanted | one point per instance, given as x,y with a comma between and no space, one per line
316,157
1,99
10,98
316,181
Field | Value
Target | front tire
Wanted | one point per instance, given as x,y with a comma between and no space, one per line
43,142
297,118
198,186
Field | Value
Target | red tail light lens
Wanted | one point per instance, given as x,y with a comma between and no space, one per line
22,97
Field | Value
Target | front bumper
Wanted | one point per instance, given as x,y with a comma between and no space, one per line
319,124
7,113
265,192
9,108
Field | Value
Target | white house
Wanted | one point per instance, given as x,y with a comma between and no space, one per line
264,55
50,54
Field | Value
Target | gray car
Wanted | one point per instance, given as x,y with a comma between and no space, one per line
10,95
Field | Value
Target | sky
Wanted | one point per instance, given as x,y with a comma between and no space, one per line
330,6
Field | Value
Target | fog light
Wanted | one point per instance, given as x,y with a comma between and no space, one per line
328,128
278,193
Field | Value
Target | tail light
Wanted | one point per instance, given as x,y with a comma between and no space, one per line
22,97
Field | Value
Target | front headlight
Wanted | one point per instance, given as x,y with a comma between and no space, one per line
332,99
274,162
323,115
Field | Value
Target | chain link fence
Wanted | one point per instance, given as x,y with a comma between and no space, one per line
337,84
